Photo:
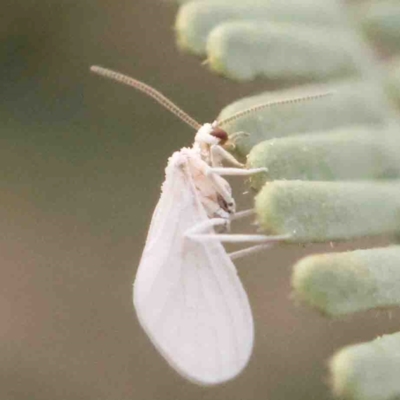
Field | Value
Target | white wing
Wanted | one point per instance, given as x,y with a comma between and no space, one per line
187,295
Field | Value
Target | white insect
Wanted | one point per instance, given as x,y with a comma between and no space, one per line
187,294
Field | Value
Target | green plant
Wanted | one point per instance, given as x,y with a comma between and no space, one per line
333,165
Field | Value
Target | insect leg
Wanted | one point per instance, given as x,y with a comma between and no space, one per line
237,238
218,154
197,233
234,171
249,250
205,225
242,214
212,174
218,185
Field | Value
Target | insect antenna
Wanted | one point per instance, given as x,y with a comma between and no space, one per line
149,91
261,106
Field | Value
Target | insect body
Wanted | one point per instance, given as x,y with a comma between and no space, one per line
187,294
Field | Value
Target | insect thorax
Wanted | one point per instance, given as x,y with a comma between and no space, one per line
213,203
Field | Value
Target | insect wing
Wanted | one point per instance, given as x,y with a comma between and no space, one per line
187,294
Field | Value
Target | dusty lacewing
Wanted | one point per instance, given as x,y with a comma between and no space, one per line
187,294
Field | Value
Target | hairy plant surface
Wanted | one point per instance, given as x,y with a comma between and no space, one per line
333,164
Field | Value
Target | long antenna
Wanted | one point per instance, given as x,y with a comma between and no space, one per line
261,106
149,91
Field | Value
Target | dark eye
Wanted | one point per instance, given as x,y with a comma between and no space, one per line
220,134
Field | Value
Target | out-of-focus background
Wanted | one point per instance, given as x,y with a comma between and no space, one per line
81,163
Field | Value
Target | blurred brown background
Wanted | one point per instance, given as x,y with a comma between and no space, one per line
81,163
